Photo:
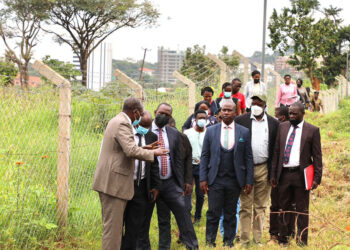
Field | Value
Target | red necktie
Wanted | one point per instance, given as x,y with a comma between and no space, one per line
288,149
164,158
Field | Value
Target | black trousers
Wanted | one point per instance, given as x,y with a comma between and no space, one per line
274,216
223,195
291,188
170,197
199,195
134,216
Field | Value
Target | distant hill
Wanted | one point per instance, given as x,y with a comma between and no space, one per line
131,69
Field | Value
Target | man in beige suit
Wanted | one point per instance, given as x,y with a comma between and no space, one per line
115,170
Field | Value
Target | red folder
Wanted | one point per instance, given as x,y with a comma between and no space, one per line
309,176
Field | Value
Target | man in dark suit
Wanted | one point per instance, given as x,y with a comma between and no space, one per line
298,145
146,185
263,131
226,167
173,187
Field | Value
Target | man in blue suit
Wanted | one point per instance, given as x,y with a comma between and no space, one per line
226,167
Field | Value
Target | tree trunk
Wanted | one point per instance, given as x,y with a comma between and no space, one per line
83,58
26,75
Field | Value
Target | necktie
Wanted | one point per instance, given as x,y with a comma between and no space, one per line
163,158
139,167
288,149
226,138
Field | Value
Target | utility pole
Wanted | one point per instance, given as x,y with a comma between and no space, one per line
263,43
347,72
141,71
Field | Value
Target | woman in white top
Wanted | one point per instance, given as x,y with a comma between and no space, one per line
255,87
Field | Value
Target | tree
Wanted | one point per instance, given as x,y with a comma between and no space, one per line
231,61
67,70
20,24
296,28
8,72
87,23
196,66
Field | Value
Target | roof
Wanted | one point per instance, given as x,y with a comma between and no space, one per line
146,70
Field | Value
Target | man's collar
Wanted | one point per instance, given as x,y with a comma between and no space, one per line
127,117
264,118
232,125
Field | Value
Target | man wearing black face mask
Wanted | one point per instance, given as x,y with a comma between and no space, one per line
263,130
298,145
171,170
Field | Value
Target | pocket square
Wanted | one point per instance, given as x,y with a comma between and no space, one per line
241,140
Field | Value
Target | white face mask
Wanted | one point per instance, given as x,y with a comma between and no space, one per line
256,110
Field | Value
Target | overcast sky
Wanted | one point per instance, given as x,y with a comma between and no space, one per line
184,23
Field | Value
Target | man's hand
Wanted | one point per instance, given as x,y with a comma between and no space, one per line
204,187
151,146
155,194
273,182
187,189
314,185
247,189
160,151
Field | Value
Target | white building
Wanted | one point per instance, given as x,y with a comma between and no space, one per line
168,62
99,67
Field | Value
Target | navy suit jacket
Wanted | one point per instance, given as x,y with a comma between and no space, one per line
243,156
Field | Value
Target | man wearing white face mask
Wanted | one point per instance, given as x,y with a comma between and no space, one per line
263,129
191,120
196,136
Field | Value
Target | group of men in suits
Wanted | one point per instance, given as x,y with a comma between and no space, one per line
145,162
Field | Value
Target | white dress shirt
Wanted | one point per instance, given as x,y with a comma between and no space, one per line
294,159
155,130
260,139
252,89
231,135
143,163
196,139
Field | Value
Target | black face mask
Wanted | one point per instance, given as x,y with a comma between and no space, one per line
299,85
162,120
294,122
256,80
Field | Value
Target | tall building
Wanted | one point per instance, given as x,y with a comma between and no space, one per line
99,67
168,62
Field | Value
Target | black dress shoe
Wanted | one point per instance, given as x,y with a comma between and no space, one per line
211,244
228,244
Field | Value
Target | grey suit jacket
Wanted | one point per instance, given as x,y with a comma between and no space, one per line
115,168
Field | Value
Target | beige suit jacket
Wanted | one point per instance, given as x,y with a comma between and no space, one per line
115,168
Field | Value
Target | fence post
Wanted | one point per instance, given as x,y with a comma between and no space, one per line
191,90
222,66
64,123
139,94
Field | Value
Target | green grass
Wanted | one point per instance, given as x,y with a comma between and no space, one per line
29,134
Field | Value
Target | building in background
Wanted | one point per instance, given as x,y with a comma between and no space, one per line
168,62
99,67
282,66
33,81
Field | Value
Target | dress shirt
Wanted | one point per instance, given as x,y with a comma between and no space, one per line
196,139
287,94
155,130
252,89
260,139
231,134
294,159
143,143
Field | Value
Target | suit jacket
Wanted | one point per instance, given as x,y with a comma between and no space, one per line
211,152
310,150
114,173
152,168
175,145
186,153
272,123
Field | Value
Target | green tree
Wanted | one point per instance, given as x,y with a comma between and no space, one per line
87,23
67,70
8,72
231,61
196,66
20,24
297,29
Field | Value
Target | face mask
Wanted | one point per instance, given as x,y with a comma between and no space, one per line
227,94
256,80
136,122
294,122
162,120
256,110
299,85
201,123
141,130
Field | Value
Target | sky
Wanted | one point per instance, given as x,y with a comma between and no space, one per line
237,24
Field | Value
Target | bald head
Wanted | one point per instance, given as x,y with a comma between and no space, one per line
228,111
130,104
146,120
